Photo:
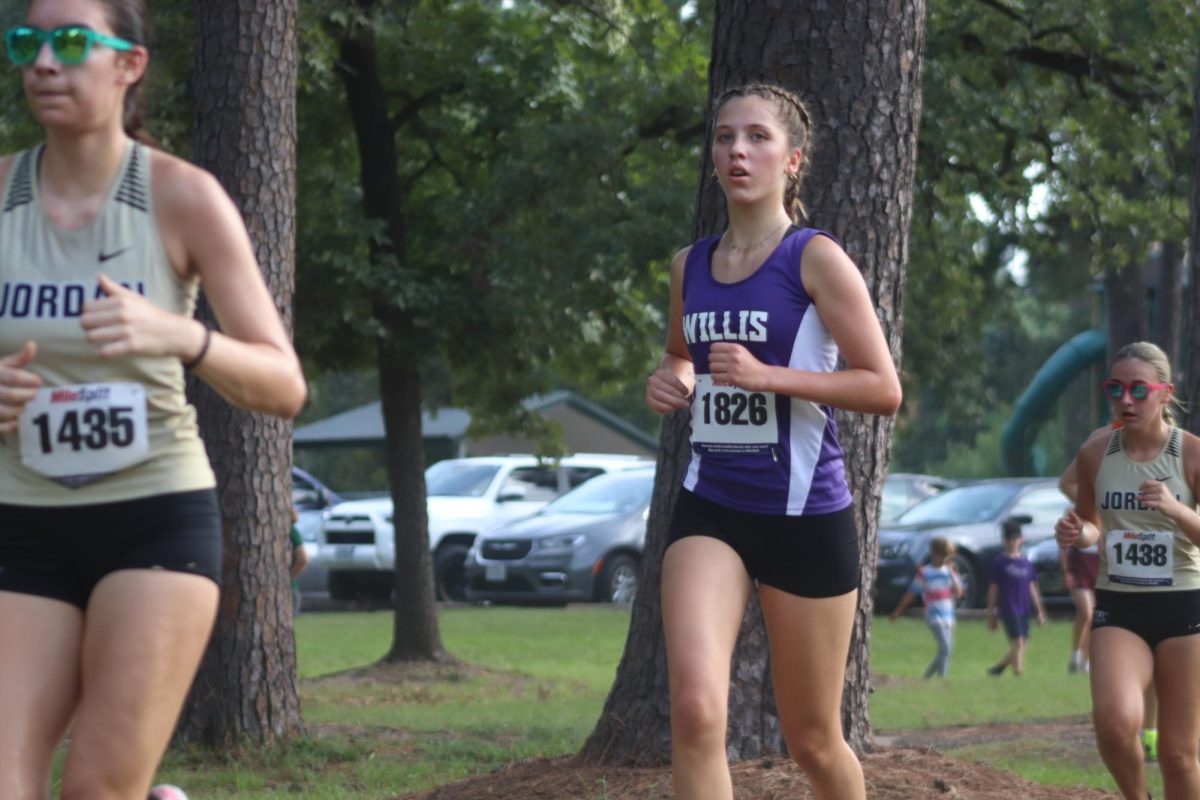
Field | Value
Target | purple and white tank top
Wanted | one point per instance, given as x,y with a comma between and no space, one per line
758,451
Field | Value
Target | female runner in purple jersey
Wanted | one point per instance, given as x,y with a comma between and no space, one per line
765,504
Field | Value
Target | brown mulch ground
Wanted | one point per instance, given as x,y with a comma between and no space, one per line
906,766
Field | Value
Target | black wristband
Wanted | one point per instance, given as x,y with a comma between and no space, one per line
203,350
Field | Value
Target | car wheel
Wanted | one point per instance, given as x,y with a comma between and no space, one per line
619,580
969,575
449,572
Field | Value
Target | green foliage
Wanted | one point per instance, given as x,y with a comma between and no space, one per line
970,380
1050,129
546,157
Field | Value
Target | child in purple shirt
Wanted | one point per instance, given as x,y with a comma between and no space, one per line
1012,595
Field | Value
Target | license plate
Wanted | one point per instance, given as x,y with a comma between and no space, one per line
344,552
497,572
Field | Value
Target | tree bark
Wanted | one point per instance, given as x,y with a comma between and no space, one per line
246,689
415,630
1191,360
1125,301
857,65
1168,318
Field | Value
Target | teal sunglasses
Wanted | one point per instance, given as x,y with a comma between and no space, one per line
70,44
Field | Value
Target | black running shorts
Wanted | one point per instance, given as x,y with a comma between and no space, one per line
1154,616
808,556
62,552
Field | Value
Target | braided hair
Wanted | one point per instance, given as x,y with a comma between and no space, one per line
790,111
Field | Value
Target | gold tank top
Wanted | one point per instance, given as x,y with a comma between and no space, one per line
101,430
1140,548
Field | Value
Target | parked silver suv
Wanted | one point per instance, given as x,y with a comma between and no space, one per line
586,545
466,496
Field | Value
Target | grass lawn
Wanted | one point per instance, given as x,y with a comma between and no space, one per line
533,682
969,696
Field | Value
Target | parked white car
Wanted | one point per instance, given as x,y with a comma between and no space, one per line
312,501
466,496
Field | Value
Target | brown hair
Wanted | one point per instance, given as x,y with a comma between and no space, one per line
129,21
1152,354
790,111
941,547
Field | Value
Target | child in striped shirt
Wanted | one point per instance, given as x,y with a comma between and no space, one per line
939,585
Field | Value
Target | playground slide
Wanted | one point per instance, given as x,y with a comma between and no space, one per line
1036,403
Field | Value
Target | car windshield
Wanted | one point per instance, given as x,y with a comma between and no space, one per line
895,500
964,505
607,494
459,479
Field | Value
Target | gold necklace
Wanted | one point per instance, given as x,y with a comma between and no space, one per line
746,248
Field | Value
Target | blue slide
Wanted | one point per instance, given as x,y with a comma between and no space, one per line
1037,402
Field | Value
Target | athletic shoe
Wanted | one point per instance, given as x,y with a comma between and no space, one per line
1150,745
165,791
997,670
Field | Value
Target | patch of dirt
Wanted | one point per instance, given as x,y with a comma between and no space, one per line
906,766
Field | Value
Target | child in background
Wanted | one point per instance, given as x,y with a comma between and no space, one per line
299,560
1012,595
939,585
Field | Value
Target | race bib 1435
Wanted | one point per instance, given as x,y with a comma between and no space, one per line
78,434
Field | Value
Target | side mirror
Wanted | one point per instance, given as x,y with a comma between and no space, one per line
508,495
307,499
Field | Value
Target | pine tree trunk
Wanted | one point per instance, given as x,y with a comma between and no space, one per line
1191,336
246,689
1125,301
1168,320
857,64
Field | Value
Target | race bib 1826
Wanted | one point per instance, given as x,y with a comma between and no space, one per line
78,434
726,419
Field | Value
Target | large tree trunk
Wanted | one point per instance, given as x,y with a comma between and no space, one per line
1125,302
867,108
1191,359
415,634
1168,317
415,629
246,689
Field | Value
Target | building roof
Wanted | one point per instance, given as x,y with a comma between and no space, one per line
364,425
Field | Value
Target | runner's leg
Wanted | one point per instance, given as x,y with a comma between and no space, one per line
1122,665
1176,664
40,641
145,633
810,641
704,592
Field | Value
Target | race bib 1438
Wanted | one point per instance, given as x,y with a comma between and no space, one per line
1140,558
